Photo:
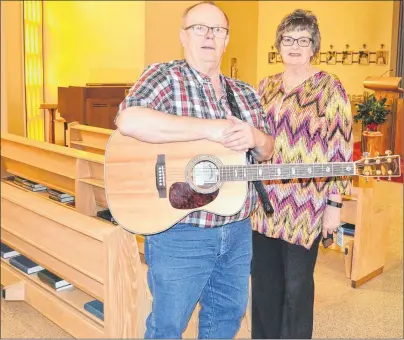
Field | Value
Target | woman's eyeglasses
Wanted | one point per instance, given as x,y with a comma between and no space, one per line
302,42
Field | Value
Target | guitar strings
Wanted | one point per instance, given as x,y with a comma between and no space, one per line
267,170
232,168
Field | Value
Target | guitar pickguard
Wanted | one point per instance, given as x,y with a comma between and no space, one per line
182,196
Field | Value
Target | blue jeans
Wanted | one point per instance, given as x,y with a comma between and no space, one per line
187,264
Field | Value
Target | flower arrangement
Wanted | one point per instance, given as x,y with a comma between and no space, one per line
372,112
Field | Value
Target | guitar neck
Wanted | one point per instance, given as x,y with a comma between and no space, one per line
256,172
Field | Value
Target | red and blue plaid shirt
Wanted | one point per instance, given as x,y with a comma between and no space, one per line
177,88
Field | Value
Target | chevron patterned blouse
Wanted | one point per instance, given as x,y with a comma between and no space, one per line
311,124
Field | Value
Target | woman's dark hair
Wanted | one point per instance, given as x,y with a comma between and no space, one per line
300,20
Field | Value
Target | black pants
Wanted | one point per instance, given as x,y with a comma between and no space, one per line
282,289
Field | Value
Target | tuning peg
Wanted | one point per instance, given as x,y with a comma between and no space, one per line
365,156
388,152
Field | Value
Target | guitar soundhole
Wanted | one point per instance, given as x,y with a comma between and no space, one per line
182,196
203,174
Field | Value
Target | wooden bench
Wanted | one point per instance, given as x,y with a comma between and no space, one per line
87,138
100,259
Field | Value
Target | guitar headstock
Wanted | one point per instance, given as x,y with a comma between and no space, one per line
379,166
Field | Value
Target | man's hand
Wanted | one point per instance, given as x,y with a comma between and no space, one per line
331,220
215,129
239,136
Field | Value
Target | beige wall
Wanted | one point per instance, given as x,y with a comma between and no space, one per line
92,42
394,38
163,23
12,80
341,22
243,17
110,41
3,97
113,41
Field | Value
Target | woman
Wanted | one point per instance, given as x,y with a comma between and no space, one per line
310,117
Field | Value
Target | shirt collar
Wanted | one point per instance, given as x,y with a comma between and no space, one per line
203,79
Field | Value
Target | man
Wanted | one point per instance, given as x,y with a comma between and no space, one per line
204,257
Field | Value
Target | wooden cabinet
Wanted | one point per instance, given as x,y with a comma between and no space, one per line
101,112
91,105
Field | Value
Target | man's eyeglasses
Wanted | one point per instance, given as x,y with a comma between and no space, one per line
218,32
302,42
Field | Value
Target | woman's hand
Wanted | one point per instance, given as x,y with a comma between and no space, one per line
331,220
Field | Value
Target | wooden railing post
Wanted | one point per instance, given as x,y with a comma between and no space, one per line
125,299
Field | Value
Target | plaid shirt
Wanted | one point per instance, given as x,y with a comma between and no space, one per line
178,89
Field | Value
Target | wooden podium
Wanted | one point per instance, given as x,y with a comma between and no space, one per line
391,130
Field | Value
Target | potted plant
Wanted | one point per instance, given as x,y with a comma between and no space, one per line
372,112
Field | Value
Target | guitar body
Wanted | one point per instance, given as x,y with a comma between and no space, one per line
150,187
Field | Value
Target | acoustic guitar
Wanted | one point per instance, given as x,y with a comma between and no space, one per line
150,187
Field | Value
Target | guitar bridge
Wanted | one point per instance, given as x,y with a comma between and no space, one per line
160,176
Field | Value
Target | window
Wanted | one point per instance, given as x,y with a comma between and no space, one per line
33,69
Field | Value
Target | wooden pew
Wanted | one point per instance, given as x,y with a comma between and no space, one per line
87,138
101,260
93,139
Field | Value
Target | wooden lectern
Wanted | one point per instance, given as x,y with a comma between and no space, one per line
391,130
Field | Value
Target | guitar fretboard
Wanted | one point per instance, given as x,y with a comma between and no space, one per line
256,172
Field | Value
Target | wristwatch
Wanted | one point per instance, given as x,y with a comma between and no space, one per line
334,204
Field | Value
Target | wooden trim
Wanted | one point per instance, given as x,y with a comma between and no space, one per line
363,280
125,291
